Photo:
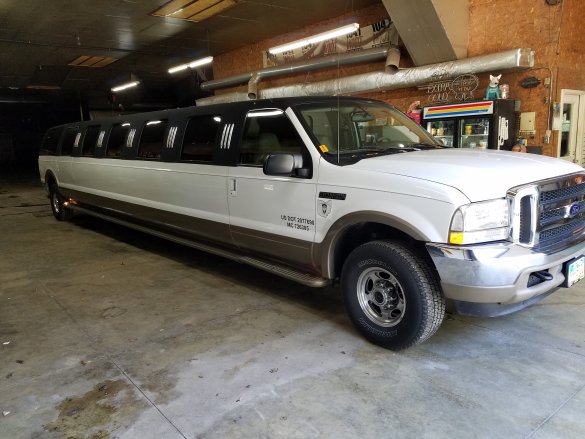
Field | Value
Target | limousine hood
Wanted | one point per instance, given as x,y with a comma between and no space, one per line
478,174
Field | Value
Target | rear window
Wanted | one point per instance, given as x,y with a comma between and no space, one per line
199,139
152,138
51,141
90,140
117,139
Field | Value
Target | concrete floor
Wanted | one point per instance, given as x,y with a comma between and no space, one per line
109,333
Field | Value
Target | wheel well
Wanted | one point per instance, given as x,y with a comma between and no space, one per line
50,179
362,233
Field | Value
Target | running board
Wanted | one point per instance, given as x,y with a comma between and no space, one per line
271,267
286,272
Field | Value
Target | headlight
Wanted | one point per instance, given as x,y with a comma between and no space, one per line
480,222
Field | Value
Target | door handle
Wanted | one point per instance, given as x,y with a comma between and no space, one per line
233,187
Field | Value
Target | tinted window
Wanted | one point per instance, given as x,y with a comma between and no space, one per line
90,140
69,140
51,141
268,131
200,138
152,138
117,139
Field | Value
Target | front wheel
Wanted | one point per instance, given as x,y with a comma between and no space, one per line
60,212
392,295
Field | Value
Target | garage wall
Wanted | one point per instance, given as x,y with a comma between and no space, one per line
495,25
552,31
249,58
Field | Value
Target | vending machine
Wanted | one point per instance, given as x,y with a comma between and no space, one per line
484,124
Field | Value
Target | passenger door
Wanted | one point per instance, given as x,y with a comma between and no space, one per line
273,215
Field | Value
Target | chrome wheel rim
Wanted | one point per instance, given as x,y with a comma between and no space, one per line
381,297
55,203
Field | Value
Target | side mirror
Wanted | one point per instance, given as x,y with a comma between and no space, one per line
285,165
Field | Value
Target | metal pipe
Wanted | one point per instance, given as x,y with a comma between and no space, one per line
515,59
253,86
362,56
378,81
393,60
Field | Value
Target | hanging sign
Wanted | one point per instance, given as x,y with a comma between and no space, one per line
382,33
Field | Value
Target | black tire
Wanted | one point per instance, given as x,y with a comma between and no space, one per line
60,212
392,295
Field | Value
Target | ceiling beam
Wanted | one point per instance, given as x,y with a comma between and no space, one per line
433,31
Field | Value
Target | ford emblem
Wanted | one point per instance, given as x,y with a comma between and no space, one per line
574,209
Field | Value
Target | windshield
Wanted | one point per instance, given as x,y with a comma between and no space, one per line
351,131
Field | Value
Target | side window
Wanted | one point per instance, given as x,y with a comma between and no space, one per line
69,140
117,139
268,131
199,139
90,140
152,139
51,141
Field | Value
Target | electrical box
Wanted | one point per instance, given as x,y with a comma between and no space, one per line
527,124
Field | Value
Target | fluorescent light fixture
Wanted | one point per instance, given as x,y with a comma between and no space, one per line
43,87
154,122
191,65
127,124
217,119
350,28
125,86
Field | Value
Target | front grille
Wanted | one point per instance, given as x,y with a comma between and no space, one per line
561,232
554,215
525,223
549,215
556,195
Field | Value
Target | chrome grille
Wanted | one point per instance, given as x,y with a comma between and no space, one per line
549,214
561,232
564,193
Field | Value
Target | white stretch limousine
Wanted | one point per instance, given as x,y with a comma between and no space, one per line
326,189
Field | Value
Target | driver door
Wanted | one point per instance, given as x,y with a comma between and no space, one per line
272,215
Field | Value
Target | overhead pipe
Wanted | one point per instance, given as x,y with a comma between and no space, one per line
17,100
515,59
253,86
362,56
392,60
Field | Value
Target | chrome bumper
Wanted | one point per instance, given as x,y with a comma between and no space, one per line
493,279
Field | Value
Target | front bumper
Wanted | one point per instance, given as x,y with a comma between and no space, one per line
495,279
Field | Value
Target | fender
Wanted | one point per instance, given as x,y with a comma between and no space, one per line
49,174
324,253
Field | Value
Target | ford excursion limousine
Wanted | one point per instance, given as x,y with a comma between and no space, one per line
328,189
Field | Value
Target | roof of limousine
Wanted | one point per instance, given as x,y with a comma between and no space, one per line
205,109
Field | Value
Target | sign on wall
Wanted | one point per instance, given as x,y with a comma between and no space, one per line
379,34
445,90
